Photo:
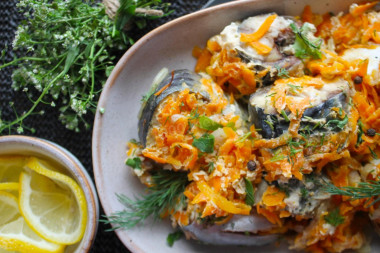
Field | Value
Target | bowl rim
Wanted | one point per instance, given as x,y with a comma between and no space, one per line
62,156
97,168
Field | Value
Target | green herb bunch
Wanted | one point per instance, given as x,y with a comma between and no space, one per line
164,196
138,12
70,48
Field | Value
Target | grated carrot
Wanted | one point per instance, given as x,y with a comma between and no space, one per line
260,47
259,33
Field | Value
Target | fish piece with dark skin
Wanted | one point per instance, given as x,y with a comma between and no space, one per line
320,118
241,230
175,82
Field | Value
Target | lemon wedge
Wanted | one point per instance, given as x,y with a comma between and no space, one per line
15,234
52,204
11,167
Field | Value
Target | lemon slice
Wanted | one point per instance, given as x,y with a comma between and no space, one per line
11,167
7,251
15,234
9,186
52,204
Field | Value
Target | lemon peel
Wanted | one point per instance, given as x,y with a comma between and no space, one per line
52,204
15,234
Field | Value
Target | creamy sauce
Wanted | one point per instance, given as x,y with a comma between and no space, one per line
229,38
317,96
373,57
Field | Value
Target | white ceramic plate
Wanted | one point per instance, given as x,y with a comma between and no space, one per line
168,46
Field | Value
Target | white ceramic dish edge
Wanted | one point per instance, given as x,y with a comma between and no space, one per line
114,128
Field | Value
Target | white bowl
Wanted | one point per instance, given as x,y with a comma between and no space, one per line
168,46
24,145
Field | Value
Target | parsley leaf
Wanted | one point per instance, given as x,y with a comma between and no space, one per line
303,46
334,218
249,199
172,237
208,124
134,163
205,143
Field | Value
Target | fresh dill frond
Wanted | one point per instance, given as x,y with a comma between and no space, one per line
295,144
282,72
211,167
364,190
277,156
269,124
285,116
373,154
164,196
294,89
244,137
338,123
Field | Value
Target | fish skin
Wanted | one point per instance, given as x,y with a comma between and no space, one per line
227,234
179,77
322,111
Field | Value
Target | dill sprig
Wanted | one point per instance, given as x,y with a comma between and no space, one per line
364,190
164,196
282,72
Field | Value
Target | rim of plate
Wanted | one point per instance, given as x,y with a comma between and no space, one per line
98,121
73,165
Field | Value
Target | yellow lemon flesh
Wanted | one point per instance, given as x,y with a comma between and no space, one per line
16,235
52,204
10,168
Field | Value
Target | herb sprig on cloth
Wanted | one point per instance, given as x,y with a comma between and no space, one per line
70,49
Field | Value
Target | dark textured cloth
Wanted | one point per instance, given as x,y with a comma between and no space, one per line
48,126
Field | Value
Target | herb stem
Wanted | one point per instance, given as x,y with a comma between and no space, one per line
18,120
23,59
